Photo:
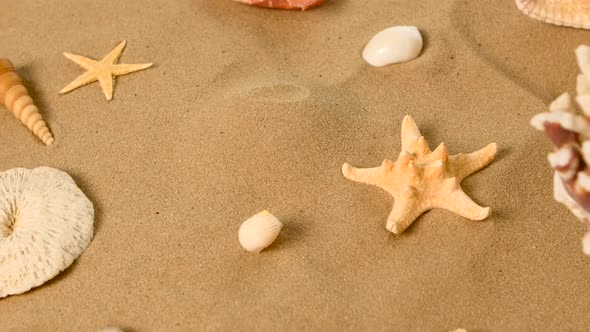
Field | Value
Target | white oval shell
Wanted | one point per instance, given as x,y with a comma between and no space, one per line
259,231
393,45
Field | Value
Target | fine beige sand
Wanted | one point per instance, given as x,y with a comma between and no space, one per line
248,109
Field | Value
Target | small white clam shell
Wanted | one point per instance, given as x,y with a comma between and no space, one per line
259,231
393,45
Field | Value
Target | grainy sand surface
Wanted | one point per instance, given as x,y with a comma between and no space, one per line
249,109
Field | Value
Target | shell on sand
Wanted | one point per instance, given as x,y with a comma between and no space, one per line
259,231
393,45
283,4
46,222
572,13
569,132
16,98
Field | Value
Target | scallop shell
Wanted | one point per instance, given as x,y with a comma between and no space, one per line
259,231
572,13
283,4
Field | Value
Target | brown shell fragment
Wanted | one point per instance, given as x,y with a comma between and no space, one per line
283,4
566,161
559,136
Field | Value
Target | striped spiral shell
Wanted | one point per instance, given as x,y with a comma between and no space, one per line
572,13
15,97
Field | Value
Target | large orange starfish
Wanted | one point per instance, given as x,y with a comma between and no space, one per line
421,179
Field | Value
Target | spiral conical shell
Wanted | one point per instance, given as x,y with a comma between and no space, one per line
572,13
15,97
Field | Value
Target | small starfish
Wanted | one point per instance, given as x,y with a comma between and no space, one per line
421,180
103,71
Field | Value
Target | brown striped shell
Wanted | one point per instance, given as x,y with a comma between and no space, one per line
572,13
15,97
569,131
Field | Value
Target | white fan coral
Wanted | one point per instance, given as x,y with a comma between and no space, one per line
46,222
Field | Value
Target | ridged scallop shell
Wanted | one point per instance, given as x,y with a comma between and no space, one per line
259,231
572,13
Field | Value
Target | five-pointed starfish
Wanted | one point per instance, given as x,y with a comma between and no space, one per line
421,180
103,71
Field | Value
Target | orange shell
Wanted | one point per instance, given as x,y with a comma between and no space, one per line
283,4
16,98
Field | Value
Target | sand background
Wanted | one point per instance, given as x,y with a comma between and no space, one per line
249,109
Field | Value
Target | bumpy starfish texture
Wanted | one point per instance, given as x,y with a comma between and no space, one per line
103,71
421,179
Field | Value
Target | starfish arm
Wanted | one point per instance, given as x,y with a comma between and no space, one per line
84,62
412,140
458,202
463,165
126,69
114,55
419,147
410,133
106,84
364,175
440,153
86,78
405,211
